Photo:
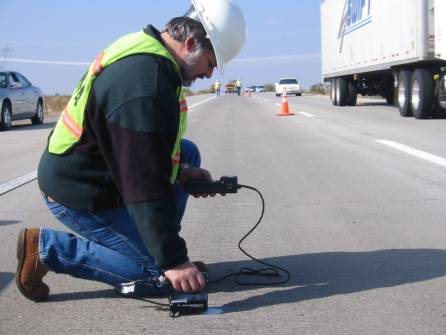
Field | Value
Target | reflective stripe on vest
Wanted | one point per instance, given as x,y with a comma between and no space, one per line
69,127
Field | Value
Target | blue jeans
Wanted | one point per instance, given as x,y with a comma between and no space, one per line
110,249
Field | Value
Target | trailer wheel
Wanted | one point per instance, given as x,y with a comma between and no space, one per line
422,94
341,91
352,93
440,111
404,93
333,99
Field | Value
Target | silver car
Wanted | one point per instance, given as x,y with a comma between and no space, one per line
19,100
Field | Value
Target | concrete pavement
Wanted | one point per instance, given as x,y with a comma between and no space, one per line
360,226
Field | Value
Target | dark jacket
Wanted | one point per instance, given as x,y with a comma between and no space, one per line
124,155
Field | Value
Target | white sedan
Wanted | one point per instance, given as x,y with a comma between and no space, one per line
19,100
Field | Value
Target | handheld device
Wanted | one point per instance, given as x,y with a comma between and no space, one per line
186,303
180,303
192,303
226,184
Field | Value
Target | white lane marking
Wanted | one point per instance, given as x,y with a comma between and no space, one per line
17,182
202,102
414,152
307,114
12,184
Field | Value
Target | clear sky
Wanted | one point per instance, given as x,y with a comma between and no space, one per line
52,41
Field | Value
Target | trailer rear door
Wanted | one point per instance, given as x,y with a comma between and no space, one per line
440,29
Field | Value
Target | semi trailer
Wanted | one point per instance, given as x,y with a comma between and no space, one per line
392,48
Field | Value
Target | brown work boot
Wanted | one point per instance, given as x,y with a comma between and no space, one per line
30,270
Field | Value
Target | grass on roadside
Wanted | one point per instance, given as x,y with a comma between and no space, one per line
55,104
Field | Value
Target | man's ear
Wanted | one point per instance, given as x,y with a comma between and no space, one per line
190,44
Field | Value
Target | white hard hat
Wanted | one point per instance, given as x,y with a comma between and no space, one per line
224,24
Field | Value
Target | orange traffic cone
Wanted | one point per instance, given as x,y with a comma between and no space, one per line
285,107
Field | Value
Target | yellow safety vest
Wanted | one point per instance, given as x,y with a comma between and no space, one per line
70,126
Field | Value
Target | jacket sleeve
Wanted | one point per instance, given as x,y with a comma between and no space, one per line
142,166
159,231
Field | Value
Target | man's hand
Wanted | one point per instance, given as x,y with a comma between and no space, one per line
194,174
186,278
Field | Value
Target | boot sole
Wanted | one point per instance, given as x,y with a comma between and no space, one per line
21,259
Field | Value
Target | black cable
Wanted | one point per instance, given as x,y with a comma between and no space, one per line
142,299
272,271
148,282
269,271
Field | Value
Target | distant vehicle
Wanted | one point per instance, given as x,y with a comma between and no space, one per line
260,88
250,89
288,85
19,100
395,49
230,87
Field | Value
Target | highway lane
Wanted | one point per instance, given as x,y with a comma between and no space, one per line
359,225
374,118
349,216
21,148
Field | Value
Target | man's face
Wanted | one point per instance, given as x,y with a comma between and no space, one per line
197,64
